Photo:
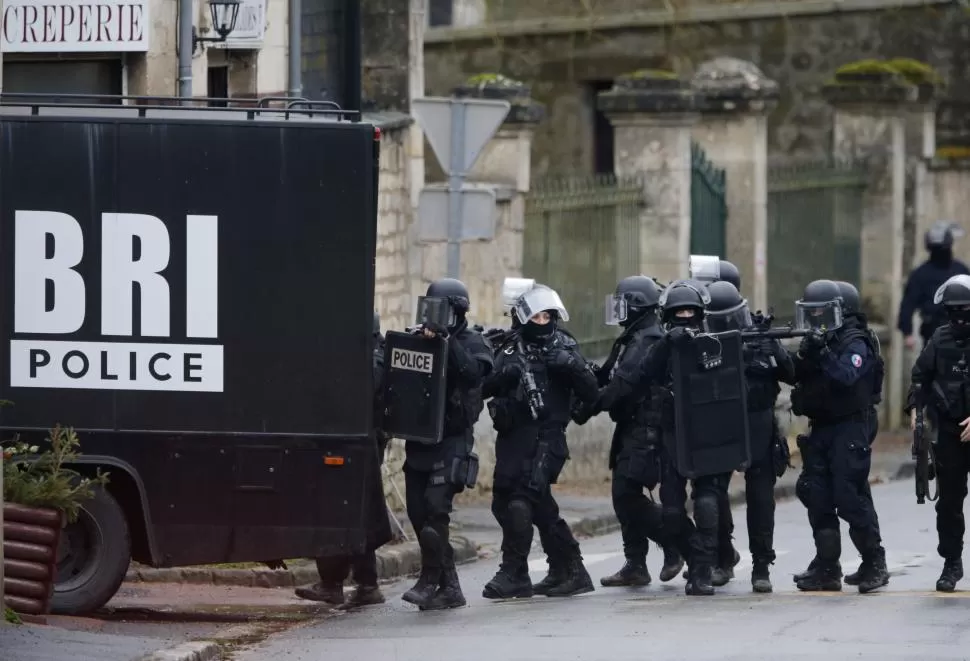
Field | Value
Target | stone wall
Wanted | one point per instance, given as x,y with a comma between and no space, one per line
392,281
799,47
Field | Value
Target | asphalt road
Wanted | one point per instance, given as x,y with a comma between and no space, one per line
905,620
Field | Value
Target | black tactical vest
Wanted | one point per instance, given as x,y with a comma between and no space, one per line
950,388
638,407
823,399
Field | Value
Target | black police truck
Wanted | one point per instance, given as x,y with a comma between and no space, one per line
191,289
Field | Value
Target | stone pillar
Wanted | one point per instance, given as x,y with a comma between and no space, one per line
503,166
870,118
734,98
652,114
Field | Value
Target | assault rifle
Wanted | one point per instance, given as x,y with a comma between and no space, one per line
925,459
762,329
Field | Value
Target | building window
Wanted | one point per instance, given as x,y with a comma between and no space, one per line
602,130
218,85
440,13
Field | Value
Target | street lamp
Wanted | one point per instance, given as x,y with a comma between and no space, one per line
224,14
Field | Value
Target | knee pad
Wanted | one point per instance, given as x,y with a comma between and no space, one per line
520,515
705,511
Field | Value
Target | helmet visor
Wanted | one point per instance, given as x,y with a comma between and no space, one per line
616,310
818,316
434,310
539,299
705,268
512,289
734,319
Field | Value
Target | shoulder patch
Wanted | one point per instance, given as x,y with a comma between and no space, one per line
856,360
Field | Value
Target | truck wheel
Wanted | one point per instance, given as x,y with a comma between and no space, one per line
92,557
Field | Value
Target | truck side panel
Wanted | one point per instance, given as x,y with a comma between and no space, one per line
252,251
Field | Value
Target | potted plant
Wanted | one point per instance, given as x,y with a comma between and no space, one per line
40,495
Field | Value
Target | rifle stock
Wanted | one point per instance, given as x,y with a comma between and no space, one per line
924,457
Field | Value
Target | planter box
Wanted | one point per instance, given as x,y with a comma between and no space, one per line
30,538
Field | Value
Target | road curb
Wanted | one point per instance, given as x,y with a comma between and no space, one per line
392,562
192,651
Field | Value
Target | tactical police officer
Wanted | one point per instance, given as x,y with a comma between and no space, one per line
836,372
941,381
434,474
926,279
711,268
537,371
636,451
333,570
766,363
682,306
853,317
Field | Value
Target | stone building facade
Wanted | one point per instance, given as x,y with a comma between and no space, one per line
568,55
129,47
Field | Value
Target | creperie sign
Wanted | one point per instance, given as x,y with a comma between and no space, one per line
75,26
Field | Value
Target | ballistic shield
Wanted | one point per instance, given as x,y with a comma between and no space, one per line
414,391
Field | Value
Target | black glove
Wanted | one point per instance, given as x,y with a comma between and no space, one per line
580,413
680,335
563,360
812,344
437,329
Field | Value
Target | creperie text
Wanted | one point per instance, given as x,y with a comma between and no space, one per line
95,24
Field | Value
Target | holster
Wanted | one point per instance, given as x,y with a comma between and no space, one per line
539,477
464,471
643,459
780,455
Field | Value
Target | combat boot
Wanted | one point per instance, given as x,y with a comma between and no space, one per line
633,574
824,578
449,595
673,563
873,573
952,573
722,574
363,595
699,581
509,583
812,566
556,576
760,578
424,589
332,594
855,577
577,580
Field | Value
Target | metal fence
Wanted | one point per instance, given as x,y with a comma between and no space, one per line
581,235
814,228
708,205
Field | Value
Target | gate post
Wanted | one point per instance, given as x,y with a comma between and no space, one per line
652,113
735,97
869,125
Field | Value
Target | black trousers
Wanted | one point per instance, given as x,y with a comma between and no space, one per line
698,540
517,510
430,504
759,496
836,460
952,468
334,570
641,519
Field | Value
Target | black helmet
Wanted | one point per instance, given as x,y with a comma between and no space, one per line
954,296
727,309
730,273
941,235
377,323
634,297
684,295
820,307
445,303
851,301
